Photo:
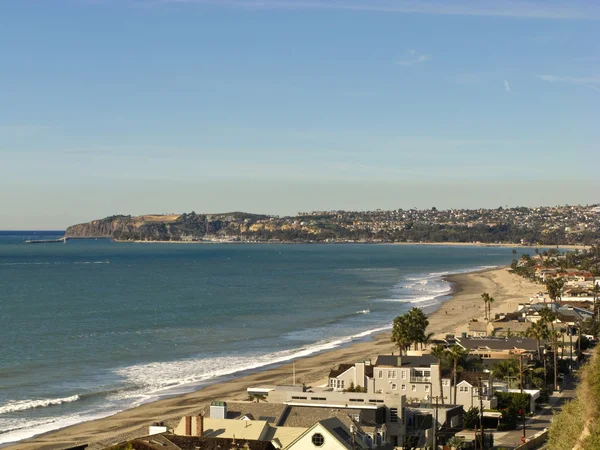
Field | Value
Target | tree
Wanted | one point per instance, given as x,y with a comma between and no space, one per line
417,323
486,297
554,287
456,442
471,417
456,352
595,291
401,333
505,369
548,316
490,301
439,352
538,331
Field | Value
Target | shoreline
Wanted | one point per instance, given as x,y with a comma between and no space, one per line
443,244
452,316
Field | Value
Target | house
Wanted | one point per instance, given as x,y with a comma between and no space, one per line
469,388
346,375
378,415
330,434
477,328
428,421
498,348
168,441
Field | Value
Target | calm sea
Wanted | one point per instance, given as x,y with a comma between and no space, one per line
92,327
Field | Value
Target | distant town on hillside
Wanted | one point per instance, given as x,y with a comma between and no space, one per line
557,225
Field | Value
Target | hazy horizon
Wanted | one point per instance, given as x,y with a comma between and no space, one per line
281,106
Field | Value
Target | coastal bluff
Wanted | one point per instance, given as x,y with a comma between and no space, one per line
168,227
568,225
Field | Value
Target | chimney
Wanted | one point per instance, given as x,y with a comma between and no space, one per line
399,361
188,425
200,425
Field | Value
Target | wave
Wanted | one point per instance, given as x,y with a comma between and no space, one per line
364,311
24,405
156,379
426,289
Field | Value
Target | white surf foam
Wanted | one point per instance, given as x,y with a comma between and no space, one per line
24,405
156,379
18,429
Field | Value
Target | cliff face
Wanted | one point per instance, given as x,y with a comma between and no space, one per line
189,227
102,228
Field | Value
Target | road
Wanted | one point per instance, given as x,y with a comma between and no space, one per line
537,423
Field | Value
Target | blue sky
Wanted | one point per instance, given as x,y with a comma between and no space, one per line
279,106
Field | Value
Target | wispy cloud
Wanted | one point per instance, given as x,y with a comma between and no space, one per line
507,86
413,57
535,9
592,82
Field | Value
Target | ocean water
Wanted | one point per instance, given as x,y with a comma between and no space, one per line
92,327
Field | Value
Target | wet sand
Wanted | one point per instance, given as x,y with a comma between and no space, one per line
452,317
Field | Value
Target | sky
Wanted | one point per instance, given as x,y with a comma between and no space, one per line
280,106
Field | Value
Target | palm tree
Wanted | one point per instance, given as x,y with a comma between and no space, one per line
417,324
505,369
490,301
401,333
456,353
538,331
548,316
427,339
486,297
439,352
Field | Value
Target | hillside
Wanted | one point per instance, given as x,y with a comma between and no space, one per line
562,225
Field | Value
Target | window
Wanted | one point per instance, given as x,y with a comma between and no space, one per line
356,399
332,382
464,389
426,388
394,386
392,374
403,387
445,382
413,387
380,374
318,398
318,440
343,384
404,374
394,415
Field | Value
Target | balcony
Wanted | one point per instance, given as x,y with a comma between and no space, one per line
420,379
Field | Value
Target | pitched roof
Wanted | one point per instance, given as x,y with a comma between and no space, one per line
333,373
406,361
494,343
203,443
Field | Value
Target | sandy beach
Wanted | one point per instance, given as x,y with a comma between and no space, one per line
452,317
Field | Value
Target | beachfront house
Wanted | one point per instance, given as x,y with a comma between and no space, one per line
498,347
330,433
483,328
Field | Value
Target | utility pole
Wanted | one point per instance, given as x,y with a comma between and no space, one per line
481,410
571,348
522,409
435,424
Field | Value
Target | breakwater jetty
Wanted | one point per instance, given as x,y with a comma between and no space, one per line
62,240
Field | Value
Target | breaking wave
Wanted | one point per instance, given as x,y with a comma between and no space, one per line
24,405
